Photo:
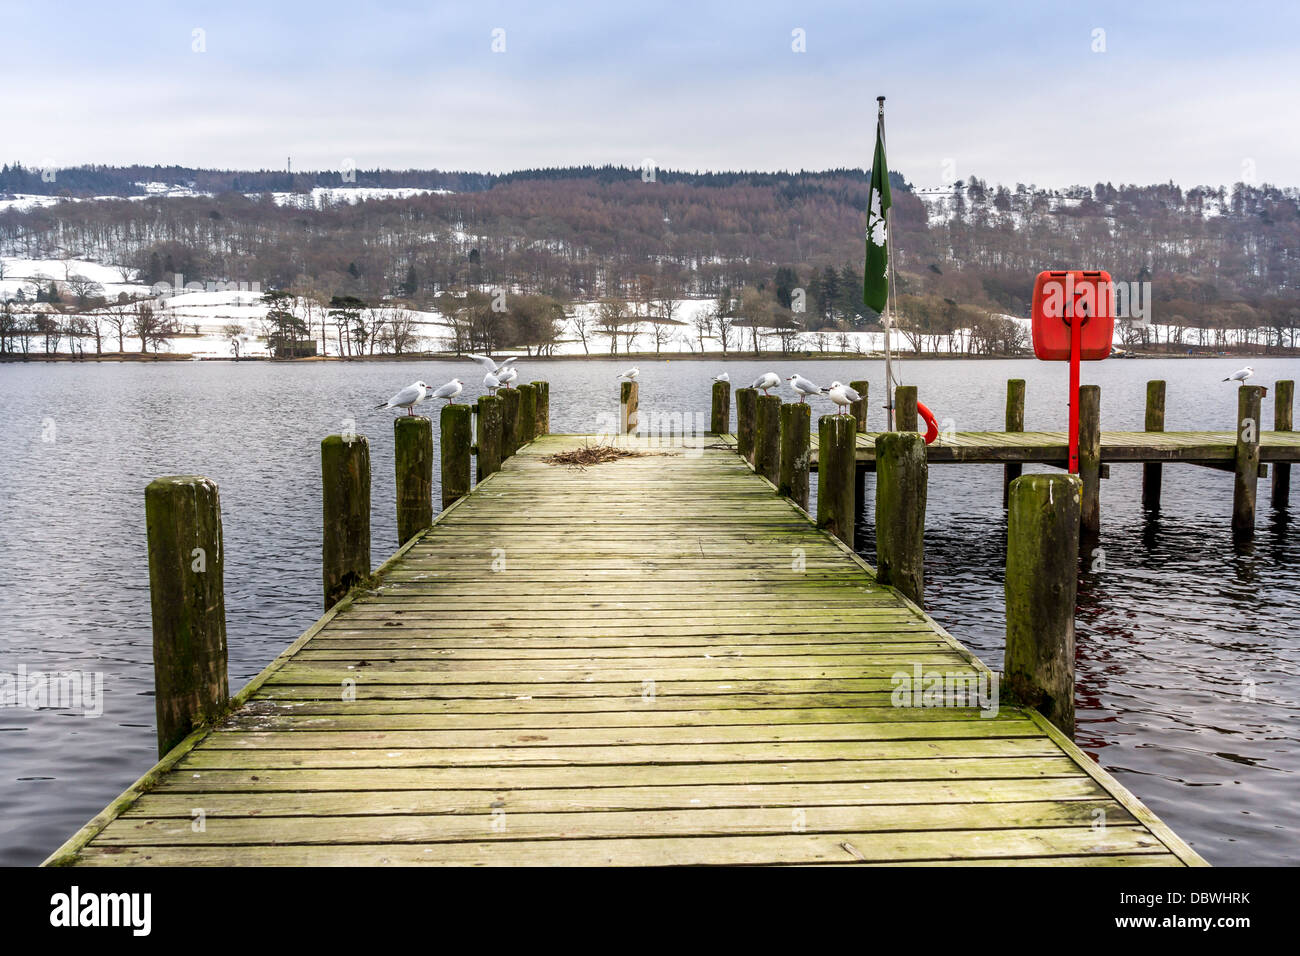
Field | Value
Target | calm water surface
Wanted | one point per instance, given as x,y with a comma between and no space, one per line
1175,633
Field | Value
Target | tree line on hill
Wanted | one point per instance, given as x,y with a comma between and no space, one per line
1218,259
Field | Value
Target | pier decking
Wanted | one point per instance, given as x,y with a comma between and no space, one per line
650,661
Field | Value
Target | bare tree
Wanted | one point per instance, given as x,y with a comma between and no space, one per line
151,326
120,317
580,319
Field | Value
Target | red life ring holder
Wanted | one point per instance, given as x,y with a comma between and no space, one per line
931,426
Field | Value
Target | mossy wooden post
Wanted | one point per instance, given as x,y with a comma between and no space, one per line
746,412
1155,422
627,408
345,551
905,408
767,437
1283,400
1090,457
902,476
509,421
796,427
527,413
836,447
413,454
720,419
187,595
543,426
859,408
1015,422
1041,583
489,435
1249,401
454,442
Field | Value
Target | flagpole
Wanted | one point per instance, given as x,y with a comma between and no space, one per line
889,365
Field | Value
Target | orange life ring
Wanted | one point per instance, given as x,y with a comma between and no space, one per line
931,426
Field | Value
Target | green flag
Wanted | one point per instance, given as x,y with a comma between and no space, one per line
875,273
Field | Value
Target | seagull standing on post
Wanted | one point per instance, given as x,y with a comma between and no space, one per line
631,374
450,391
802,387
491,383
724,377
842,396
765,381
407,398
1240,375
506,376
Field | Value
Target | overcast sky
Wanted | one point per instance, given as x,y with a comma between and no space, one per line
1196,92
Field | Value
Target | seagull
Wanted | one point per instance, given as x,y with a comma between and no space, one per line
724,377
407,398
803,388
1240,375
842,396
489,364
491,383
506,377
631,374
450,391
765,381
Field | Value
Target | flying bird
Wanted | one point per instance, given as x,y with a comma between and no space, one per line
450,390
802,387
506,376
631,374
407,398
724,377
491,365
1240,375
842,396
765,381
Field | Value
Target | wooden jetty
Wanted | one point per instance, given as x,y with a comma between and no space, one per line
655,660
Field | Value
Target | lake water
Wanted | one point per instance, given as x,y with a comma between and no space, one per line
1188,647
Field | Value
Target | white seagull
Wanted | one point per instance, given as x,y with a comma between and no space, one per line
724,377
491,383
765,381
631,374
489,364
506,377
407,398
803,388
1240,375
450,390
842,396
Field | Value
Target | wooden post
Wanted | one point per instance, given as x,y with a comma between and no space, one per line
859,408
187,595
720,419
767,438
345,551
1015,422
413,455
746,413
454,441
489,435
1249,400
1155,422
837,446
627,408
796,427
905,408
1042,579
509,421
1283,399
902,476
543,426
527,413
1090,457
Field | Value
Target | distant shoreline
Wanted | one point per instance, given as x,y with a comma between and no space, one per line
143,359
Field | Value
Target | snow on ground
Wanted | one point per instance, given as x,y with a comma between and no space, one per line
350,194
26,274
